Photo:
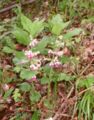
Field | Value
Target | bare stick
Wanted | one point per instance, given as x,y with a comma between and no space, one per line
62,106
87,67
15,5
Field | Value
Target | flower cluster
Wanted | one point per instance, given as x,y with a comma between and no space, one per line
29,54
36,66
34,78
33,43
57,53
55,63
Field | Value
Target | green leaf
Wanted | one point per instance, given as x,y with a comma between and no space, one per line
17,69
65,77
57,29
19,61
37,27
56,19
20,58
27,74
1,73
35,96
8,93
57,24
21,36
16,95
36,115
26,23
34,28
8,50
72,33
88,82
48,104
10,43
42,44
45,80
25,87
65,59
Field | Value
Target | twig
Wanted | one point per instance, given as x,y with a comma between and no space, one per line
74,111
15,5
80,93
87,67
8,8
5,34
60,109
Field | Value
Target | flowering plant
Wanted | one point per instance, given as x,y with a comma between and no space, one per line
44,55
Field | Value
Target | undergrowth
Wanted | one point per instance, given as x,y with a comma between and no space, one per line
39,55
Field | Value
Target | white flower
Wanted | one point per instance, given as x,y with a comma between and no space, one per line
29,54
55,64
59,53
33,43
35,66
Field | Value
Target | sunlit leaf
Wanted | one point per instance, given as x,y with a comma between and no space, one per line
72,33
21,36
27,74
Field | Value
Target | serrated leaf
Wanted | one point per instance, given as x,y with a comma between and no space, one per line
10,43
34,28
8,93
37,27
20,58
42,44
48,104
27,74
20,54
19,61
21,36
25,87
17,69
26,23
56,19
56,29
57,24
44,80
35,115
16,95
35,96
88,82
65,77
72,33
7,49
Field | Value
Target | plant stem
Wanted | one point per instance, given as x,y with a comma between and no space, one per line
49,87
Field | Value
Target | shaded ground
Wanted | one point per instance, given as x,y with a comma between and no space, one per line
67,98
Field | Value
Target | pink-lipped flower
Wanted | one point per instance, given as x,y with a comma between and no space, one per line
34,78
29,54
33,43
55,64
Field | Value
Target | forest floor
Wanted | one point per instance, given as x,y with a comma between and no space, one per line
76,87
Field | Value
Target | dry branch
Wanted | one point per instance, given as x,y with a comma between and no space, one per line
15,5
